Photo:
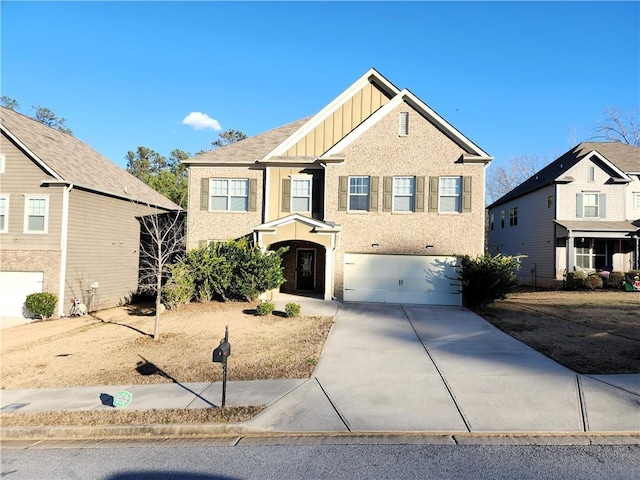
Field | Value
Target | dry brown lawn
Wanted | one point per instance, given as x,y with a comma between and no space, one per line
114,347
591,332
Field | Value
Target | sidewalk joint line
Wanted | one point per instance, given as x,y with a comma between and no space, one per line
333,405
444,380
612,385
583,407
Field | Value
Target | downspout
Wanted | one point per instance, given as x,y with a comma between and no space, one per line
64,238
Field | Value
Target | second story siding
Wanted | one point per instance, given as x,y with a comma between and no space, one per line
33,213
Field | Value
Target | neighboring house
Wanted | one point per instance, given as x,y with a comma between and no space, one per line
374,196
578,213
68,219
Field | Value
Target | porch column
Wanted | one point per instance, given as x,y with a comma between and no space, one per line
328,273
570,252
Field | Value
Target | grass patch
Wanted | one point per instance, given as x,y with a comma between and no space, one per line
92,418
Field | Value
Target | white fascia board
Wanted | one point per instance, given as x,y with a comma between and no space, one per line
323,114
293,218
594,153
363,127
453,133
37,159
474,153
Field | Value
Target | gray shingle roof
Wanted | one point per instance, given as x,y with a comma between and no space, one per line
250,149
76,162
624,157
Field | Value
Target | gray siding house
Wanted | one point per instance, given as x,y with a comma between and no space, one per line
68,219
580,212
374,196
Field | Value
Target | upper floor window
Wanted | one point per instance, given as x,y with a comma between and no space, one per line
403,194
229,194
590,204
491,220
36,209
636,200
592,173
550,201
450,189
359,193
4,212
403,124
2,163
502,219
513,216
301,195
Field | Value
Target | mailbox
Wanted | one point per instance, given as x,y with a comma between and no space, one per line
221,353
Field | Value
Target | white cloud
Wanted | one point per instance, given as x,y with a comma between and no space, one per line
201,121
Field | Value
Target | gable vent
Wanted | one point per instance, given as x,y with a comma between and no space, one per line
404,124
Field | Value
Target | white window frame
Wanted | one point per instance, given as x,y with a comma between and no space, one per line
27,199
586,205
411,195
301,178
3,161
403,124
229,195
457,195
513,217
592,174
351,194
5,227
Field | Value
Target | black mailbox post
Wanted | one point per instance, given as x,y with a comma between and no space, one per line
220,355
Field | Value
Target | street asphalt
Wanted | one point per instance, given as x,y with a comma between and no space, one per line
402,369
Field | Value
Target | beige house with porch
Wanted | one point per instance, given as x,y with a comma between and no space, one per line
374,196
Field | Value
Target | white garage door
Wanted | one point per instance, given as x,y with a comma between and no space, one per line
14,288
424,280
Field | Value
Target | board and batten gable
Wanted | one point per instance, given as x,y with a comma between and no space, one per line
425,152
533,235
343,120
568,193
206,225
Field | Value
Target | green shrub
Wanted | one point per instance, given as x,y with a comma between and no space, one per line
486,278
616,279
593,281
292,310
575,280
265,308
41,305
180,288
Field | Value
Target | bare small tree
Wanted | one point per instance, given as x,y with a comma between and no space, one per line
501,180
619,126
162,240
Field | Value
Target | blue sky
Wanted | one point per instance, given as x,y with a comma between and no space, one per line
517,78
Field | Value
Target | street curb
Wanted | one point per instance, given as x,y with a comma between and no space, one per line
243,435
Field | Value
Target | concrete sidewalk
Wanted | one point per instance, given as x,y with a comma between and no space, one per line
393,368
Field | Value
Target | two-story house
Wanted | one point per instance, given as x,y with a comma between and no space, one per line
374,196
579,212
69,219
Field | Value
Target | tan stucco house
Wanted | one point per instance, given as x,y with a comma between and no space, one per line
373,195
68,219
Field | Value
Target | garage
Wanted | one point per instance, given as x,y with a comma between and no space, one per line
14,288
423,280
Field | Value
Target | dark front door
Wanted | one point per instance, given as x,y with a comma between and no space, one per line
306,270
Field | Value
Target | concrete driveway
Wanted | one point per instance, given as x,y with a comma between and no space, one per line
408,368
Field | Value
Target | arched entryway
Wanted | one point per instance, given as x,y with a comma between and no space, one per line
304,267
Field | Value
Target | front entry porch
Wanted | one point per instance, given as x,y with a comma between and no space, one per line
308,262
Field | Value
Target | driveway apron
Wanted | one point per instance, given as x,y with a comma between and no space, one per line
442,369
